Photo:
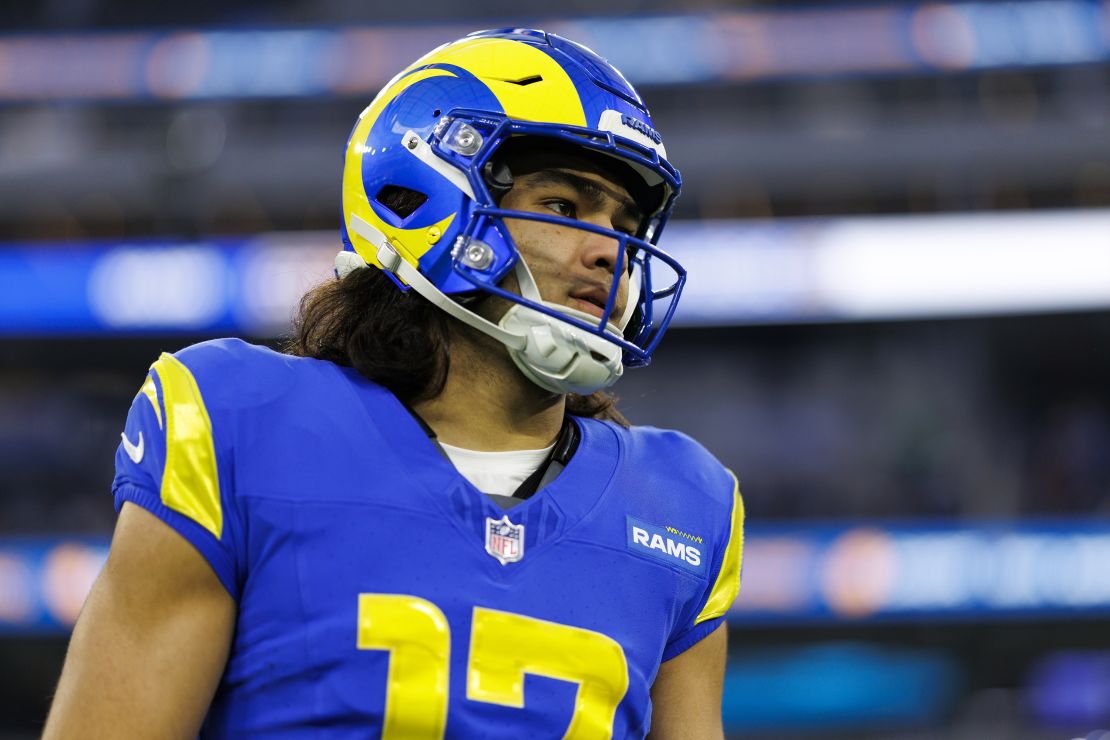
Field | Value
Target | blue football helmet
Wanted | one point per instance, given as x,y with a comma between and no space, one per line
434,133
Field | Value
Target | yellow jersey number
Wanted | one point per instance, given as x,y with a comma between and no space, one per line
503,648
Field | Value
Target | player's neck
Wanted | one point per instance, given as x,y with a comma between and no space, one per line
487,404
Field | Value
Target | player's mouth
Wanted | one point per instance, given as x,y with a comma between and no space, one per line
590,300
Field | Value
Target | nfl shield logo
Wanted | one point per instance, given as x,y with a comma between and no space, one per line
504,540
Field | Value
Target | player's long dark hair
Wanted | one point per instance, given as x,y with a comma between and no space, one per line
395,338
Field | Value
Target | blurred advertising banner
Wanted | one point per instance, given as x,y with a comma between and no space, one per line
797,574
754,44
740,272
912,571
44,582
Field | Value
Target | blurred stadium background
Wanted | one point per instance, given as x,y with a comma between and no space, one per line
897,225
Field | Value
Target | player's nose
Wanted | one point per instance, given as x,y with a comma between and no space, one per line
598,250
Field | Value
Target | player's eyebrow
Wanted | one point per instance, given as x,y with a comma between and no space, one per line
591,190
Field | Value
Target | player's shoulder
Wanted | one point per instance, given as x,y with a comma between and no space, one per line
232,373
233,361
668,441
678,458
226,351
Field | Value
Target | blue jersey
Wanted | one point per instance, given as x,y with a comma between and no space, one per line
380,594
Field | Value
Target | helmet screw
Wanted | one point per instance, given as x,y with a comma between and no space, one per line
477,255
412,142
433,235
464,140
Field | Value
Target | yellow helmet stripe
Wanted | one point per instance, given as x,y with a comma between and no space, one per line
354,194
501,63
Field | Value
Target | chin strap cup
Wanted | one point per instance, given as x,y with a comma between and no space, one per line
559,357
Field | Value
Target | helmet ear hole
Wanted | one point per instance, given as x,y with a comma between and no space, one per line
402,202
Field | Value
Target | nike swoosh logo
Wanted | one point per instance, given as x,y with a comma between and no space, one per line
135,452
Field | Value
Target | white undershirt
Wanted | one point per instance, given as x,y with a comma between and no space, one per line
498,473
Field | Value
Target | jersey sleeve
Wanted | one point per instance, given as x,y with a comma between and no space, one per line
707,612
172,461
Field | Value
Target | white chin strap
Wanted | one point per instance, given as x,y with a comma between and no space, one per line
551,353
559,356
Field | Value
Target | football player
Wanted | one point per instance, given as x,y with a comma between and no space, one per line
426,519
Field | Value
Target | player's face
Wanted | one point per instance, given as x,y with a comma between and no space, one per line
573,267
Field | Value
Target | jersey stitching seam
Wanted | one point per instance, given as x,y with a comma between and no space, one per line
308,651
607,487
341,502
649,560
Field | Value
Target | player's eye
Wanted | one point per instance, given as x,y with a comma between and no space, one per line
562,207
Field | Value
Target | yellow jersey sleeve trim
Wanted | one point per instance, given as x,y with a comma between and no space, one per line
190,484
151,394
727,585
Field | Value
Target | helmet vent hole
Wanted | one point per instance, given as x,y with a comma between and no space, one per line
598,356
400,201
435,113
526,80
